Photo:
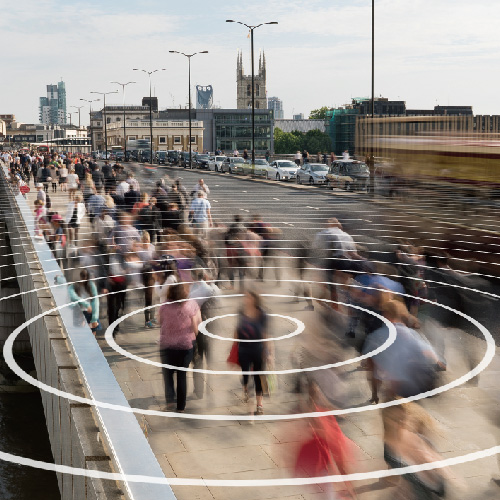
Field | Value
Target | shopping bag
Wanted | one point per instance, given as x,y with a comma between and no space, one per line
233,357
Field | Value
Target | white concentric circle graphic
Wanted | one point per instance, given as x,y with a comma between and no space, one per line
487,358
112,343
202,328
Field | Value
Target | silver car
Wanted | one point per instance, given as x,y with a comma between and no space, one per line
233,165
216,162
282,170
312,173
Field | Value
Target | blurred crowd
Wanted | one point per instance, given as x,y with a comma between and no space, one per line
165,242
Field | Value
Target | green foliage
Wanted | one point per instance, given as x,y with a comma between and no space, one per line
319,114
313,141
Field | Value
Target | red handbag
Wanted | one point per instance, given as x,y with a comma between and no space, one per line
233,357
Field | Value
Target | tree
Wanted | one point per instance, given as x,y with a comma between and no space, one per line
319,114
316,141
286,142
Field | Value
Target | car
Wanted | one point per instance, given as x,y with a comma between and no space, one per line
161,157
358,171
335,179
312,173
184,159
132,155
257,169
215,163
233,165
173,157
202,161
119,155
282,170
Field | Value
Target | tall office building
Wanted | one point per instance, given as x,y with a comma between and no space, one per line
276,104
204,97
52,109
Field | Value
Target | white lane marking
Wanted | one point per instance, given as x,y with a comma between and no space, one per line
244,210
244,191
215,201
277,199
313,208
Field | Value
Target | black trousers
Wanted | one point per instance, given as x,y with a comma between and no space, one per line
251,357
176,357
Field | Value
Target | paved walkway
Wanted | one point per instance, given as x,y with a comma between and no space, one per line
466,416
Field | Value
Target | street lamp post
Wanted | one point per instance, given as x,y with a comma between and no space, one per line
149,73
104,94
69,114
372,157
123,85
90,117
252,28
189,56
78,108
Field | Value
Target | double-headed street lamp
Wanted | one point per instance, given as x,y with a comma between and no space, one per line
78,108
90,117
123,85
252,28
104,94
149,73
189,56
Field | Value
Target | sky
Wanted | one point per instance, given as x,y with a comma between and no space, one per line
427,52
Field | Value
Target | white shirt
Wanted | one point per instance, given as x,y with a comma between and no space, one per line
122,188
201,291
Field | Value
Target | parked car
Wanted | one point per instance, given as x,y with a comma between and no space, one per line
202,161
258,168
132,155
335,179
233,165
358,171
215,163
184,159
282,170
312,173
173,157
161,157
119,155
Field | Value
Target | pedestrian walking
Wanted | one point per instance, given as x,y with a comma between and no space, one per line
179,321
252,326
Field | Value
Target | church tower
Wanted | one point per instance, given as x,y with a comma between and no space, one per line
244,84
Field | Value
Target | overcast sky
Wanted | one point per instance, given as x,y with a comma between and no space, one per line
428,52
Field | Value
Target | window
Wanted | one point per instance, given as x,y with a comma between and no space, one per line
162,140
99,136
108,120
177,139
249,91
98,124
193,139
257,90
118,119
132,137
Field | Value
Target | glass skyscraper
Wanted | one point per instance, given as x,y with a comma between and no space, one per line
52,109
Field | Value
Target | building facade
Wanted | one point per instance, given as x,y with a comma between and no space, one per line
300,125
341,122
276,104
167,134
52,108
244,85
